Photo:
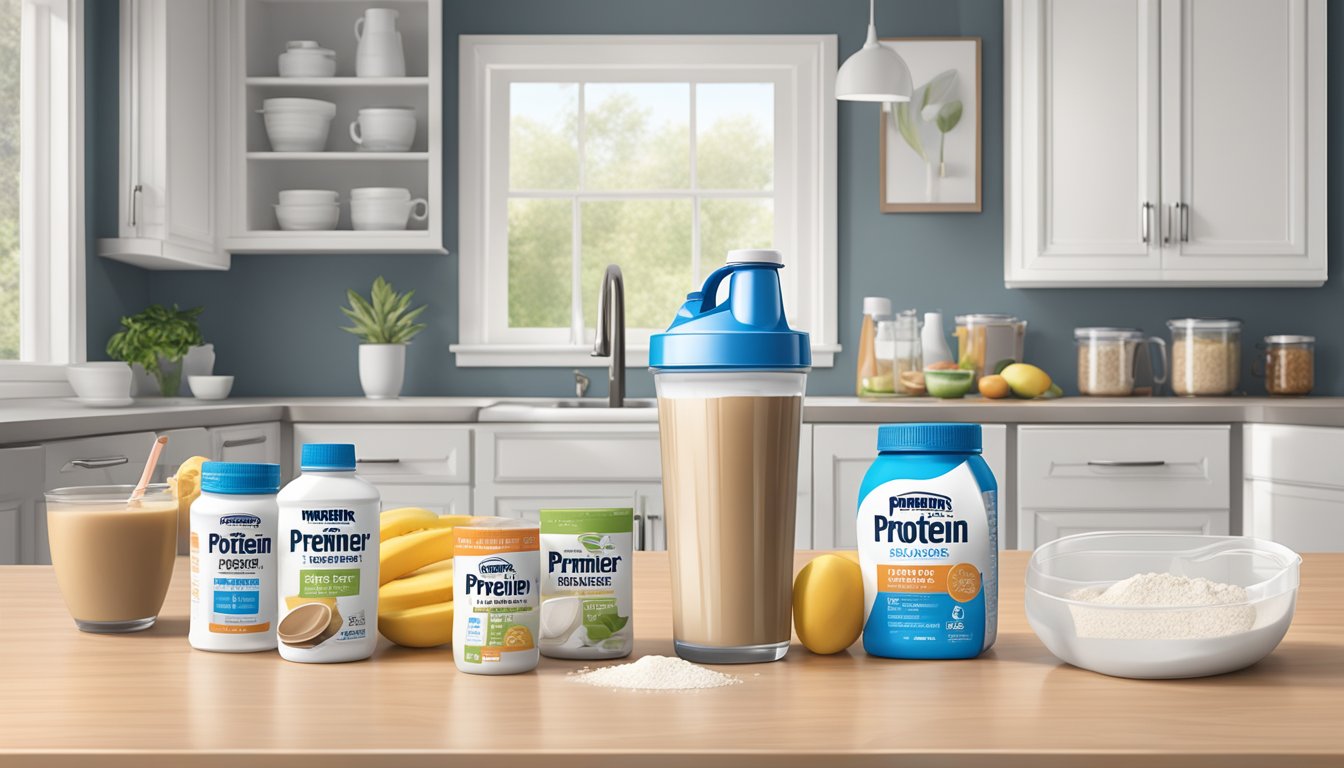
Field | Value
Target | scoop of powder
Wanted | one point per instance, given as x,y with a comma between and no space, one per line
655,673
1220,609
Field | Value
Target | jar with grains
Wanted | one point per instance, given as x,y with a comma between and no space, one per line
1205,356
1107,360
1290,364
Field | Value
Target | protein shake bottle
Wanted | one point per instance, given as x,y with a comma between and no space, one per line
328,561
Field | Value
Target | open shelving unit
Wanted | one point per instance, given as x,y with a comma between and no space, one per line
253,175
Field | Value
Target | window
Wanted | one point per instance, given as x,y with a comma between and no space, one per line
659,154
41,247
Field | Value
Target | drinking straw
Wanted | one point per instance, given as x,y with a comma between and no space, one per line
154,451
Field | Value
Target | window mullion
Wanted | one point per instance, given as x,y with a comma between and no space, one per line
695,196
576,323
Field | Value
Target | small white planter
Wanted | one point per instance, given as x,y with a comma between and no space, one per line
382,369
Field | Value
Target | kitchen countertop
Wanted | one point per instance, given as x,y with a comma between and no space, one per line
149,700
53,419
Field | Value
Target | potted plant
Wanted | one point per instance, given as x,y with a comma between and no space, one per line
157,339
386,323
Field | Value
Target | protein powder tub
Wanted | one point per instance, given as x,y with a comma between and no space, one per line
233,564
928,544
496,580
328,562
585,586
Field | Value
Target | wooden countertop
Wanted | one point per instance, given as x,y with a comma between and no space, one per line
150,700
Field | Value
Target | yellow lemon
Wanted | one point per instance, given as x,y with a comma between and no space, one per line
1026,380
828,604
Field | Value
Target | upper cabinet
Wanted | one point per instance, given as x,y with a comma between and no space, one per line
1165,143
166,198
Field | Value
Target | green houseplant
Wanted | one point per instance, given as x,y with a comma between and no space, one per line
157,339
386,323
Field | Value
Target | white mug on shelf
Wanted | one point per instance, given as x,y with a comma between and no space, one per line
385,208
384,129
379,53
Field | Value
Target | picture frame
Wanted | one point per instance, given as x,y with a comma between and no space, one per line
944,173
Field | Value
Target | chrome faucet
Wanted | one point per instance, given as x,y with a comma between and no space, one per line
610,337
580,384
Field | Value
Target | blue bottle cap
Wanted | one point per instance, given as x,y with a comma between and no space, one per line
929,438
238,478
748,331
327,457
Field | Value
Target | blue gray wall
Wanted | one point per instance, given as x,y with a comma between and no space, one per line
274,319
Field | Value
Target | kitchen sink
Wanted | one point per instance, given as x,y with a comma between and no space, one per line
586,410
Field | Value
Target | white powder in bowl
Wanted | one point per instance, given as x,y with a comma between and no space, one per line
654,673
1217,609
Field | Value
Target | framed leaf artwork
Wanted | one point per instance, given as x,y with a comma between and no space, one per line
930,156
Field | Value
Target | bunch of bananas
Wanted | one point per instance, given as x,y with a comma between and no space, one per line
415,576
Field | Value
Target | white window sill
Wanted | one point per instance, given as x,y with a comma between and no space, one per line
572,356
23,380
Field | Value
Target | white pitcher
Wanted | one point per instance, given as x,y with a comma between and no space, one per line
379,53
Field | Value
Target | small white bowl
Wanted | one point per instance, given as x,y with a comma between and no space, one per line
105,383
307,218
308,196
210,387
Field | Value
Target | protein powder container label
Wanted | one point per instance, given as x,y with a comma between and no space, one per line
927,529
328,560
496,595
586,583
233,558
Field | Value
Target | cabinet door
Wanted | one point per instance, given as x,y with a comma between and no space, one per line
1038,526
1243,91
20,504
246,442
1302,517
104,460
1082,141
440,499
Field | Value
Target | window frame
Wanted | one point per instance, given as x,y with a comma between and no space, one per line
51,213
805,139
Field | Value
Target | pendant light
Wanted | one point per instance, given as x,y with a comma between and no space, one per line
874,73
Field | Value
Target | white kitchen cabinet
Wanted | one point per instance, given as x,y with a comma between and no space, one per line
1294,492
20,504
168,132
259,443
1135,157
412,465
103,460
1080,478
841,455
439,499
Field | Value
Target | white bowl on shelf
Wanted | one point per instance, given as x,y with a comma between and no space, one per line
105,384
305,58
1100,637
384,129
308,197
307,218
297,125
386,213
210,387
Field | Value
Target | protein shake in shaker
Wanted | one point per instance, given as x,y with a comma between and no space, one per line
730,378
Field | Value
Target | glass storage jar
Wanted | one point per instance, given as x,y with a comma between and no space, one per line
1290,364
1108,357
1205,355
984,341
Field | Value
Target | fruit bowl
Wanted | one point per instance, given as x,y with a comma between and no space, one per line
948,384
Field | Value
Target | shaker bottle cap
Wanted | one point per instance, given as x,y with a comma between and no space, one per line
327,457
876,305
929,438
239,478
746,331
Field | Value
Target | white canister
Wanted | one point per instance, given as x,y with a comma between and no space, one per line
305,58
384,129
233,558
496,595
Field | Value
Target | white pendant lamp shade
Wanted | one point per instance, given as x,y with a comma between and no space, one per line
874,73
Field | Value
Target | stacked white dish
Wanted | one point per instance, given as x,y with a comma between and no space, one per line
384,129
305,58
308,210
1151,641
297,125
385,208
210,387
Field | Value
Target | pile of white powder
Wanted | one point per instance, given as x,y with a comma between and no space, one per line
655,673
1218,609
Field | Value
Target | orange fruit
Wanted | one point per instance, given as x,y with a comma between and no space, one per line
994,387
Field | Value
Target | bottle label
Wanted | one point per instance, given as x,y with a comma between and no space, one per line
329,587
233,575
496,591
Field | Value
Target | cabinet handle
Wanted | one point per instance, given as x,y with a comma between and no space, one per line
1184,211
377,461
135,202
639,533
258,440
1166,223
103,463
652,535
1115,463
1146,221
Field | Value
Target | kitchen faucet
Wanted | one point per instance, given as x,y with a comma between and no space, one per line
610,337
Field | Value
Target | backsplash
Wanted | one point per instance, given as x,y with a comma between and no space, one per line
275,321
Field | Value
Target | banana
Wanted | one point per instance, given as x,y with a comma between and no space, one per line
442,565
424,626
431,586
398,522
403,554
